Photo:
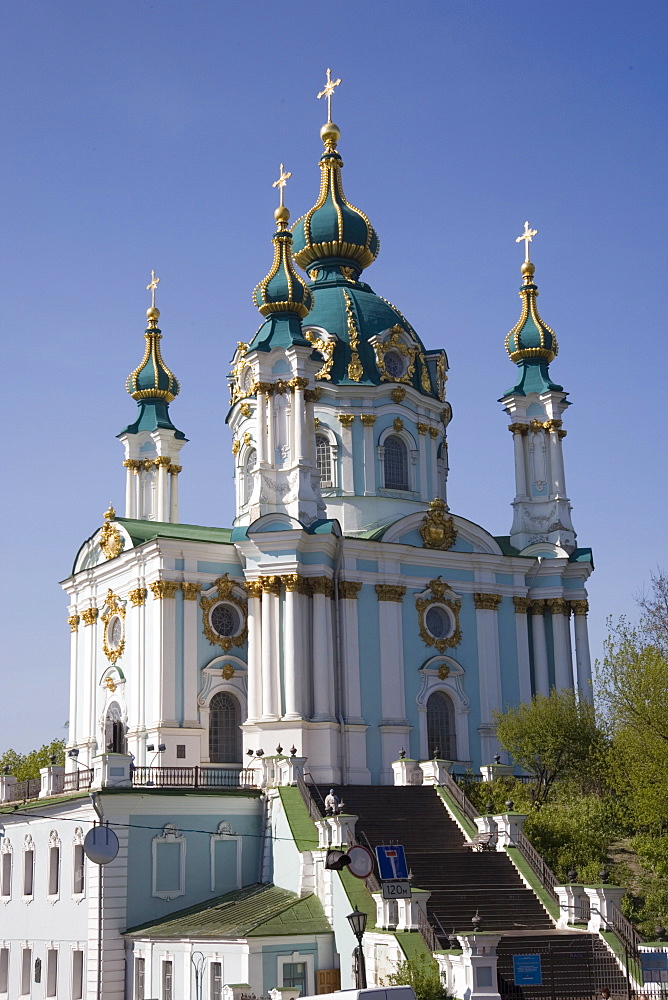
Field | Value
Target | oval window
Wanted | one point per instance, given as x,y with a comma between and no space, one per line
438,622
114,632
394,364
225,620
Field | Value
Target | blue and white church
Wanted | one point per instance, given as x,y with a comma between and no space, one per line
347,620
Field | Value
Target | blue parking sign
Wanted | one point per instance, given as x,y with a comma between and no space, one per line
392,862
527,970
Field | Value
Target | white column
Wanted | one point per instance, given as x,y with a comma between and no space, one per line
423,429
352,708
522,639
557,463
323,650
561,635
540,665
292,649
582,657
254,589
130,489
134,627
519,432
368,420
393,725
270,590
299,421
174,493
261,427
162,672
271,430
74,729
88,715
489,669
161,463
433,451
347,472
191,613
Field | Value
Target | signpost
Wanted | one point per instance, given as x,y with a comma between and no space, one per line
396,888
527,970
393,871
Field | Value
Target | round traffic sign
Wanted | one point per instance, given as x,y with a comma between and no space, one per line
361,861
101,845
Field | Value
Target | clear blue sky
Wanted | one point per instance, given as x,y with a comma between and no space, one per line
138,135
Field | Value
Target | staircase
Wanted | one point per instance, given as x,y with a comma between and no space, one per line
464,883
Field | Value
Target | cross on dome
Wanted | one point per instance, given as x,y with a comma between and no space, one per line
527,236
328,91
285,176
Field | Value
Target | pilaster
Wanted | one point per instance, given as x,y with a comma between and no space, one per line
561,636
271,589
489,668
324,708
522,605
541,671
393,726
582,656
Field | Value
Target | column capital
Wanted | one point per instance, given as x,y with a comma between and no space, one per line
389,592
254,588
312,395
349,589
552,425
421,427
133,463
321,585
164,590
162,462
537,606
292,582
434,432
271,584
346,419
368,419
190,590
558,606
175,469
89,616
522,605
73,622
579,607
138,596
487,602
518,428
298,382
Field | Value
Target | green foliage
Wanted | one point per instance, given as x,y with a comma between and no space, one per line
422,973
553,738
575,833
498,792
23,766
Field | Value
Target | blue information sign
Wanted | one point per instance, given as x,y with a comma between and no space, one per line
392,862
527,971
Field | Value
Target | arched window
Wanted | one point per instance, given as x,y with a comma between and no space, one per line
442,739
251,462
396,464
224,732
114,730
323,460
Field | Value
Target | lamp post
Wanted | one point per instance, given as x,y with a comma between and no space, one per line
357,921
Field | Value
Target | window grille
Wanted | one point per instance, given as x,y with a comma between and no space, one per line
167,992
396,464
224,733
216,981
441,727
225,620
294,976
180,751
323,460
394,365
140,978
79,876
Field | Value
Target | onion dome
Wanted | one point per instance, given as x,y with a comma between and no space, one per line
283,290
334,232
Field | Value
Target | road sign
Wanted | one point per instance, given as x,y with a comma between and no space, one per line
396,888
527,970
392,862
361,861
101,845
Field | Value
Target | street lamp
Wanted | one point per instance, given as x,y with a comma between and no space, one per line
357,921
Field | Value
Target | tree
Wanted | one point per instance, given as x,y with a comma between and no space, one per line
23,766
553,738
423,974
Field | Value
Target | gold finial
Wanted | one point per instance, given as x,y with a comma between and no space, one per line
110,514
153,314
527,236
327,92
282,214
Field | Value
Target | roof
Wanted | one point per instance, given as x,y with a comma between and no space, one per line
260,910
145,531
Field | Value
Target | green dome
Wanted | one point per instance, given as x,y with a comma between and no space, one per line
152,379
531,338
334,231
282,290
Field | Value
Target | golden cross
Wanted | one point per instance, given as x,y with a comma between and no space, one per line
328,91
281,182
527,236
151,287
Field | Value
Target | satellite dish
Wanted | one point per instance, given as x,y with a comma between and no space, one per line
361,861
101,845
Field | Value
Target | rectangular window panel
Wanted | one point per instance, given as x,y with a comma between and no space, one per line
224,865
28,869
51,972
4,970
26,963
54,870
79,875
167,993
6,875
168,867
180,751
294,976
77,975
140,978
216,981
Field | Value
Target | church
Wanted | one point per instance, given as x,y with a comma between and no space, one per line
348,619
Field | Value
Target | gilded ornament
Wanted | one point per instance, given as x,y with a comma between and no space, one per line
110,684
395,343
527,236
253,588
321,585
225,591
325,349
558,606
438,529
73,622
313,274
110,513
245,410
175,469
518,428
390,592
349,589
443,671
346,419
441,375
316,422
552,425
355,369
442,596
164,589
327,92
398,394
536,426
425,381
247,438
138,596
522,605
228,671
271,584
89,616
113,609
162,462
398,424
236,445
292,581
347,272
579,607
237,390
433,431
446,415
111,540
190,590
298,382
487,602
281,386
422,428
537,606
368,419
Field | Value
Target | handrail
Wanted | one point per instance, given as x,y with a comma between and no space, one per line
460,797
624,929
24,790
309,801
194,777
545,874
74,781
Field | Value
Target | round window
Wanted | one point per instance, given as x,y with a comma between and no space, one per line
394,364
225,620
438,622
114,632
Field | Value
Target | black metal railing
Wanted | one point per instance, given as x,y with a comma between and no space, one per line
624,930
77,780
460,797
546,876
309,801
194,777
24,790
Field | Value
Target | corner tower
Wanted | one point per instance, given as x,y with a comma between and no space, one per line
152,443
535,404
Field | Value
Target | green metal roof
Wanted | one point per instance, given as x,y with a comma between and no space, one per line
145,531
260,910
